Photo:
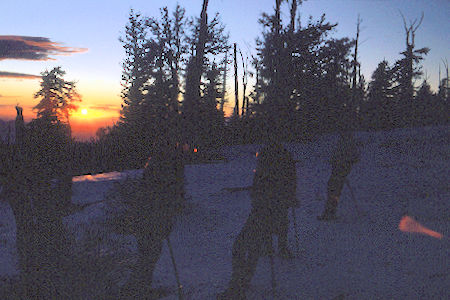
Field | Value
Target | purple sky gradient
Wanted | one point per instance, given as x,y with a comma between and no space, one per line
97,25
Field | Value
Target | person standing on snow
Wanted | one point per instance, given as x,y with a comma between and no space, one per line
273,192
156,201
345,155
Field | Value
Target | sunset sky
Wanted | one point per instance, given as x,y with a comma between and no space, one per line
82,37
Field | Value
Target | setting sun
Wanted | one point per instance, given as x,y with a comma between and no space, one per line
84,111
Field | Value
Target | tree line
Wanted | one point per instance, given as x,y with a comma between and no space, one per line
306,82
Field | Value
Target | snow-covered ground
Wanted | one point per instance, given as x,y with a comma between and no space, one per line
363,255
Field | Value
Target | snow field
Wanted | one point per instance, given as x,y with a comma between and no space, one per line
363,255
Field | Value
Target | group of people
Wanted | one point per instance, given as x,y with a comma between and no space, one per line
159,198
273,193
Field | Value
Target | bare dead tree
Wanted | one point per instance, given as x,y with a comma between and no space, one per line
355,56
411,55
446,72
19,126
444,84
196,68
293,13
439,75
278,16
224,81
236,86
258,91
411,30
244,86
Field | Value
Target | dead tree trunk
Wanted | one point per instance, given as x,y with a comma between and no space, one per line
194,72
353,105
196,64
244,86
236,86
20,126
408,90
224,82
293,13
355,56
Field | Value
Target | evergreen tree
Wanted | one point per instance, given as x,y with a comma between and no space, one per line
155,49
379,108
442,99
169,54
135,74
444,86
275,109
335,96
444,91
307,70
425,105
303,77
58,97
208,41
212,118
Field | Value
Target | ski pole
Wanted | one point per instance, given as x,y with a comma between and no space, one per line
353,197
272,273
180,292
297,239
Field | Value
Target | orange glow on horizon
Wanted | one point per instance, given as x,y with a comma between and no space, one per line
408,224
84,111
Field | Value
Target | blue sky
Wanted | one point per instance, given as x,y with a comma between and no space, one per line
97,25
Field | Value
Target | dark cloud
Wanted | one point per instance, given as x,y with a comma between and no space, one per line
18,75
106,107
14,105
32,48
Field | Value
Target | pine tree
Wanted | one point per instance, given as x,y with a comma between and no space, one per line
274,56
135,74
208,40
155,49
291,64
212,118
444,83
58,97
337,110
379,108
425,105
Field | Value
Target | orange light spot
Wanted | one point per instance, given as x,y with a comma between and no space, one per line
256,154
195,150
408,224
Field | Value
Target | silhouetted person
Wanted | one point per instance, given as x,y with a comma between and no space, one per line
345,155
273,192
159,199
35,197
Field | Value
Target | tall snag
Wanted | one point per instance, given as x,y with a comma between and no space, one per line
236,86
196,65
